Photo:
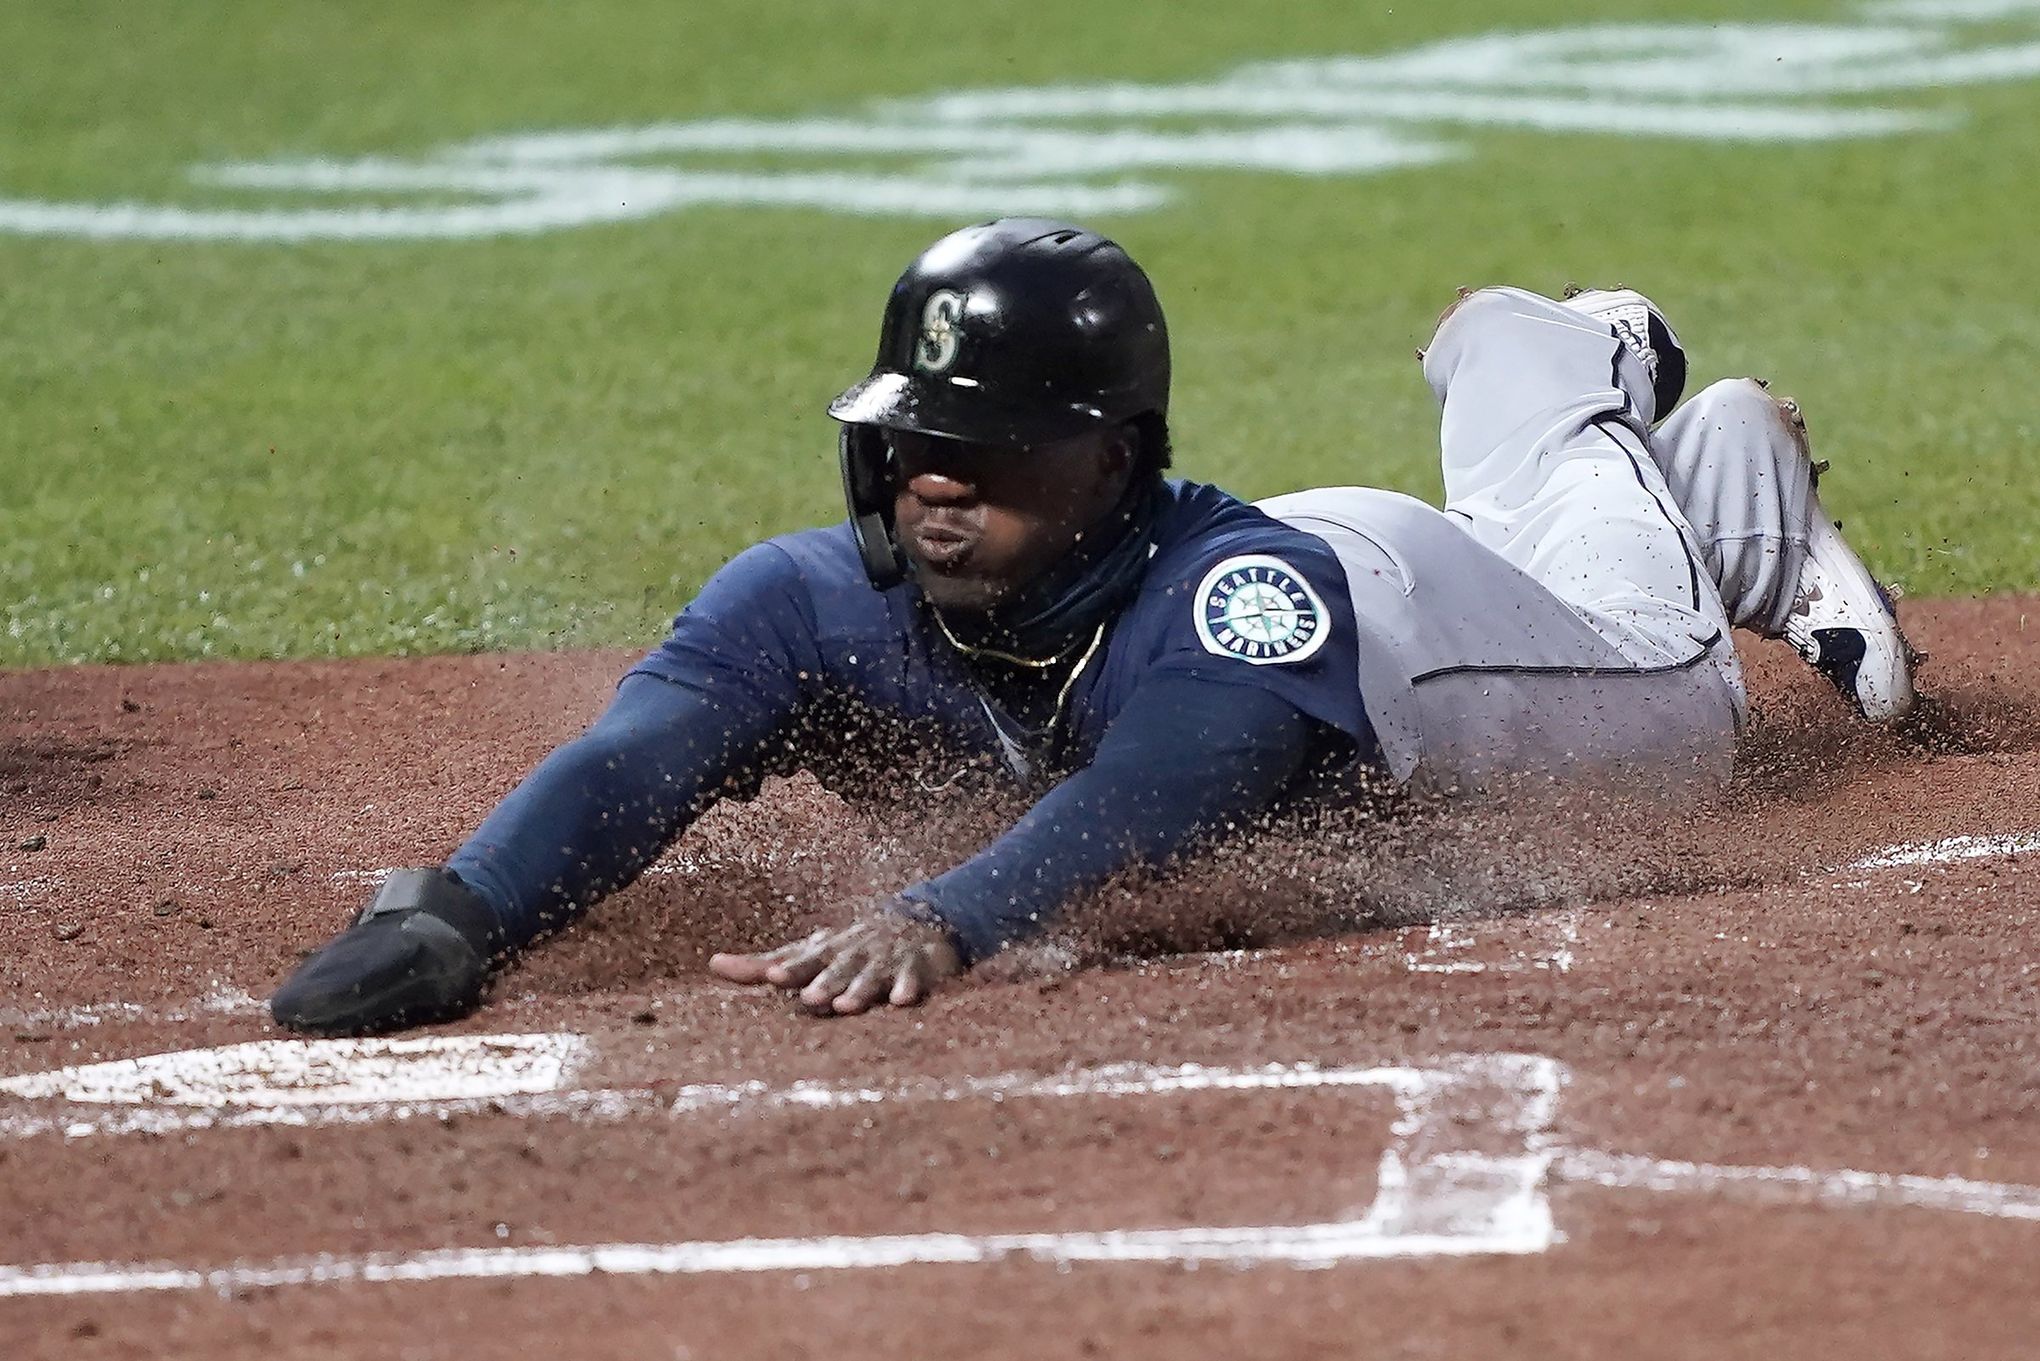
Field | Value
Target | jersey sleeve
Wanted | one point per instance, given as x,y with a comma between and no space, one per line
1189,758
1241,671
1274,616
748,640
688,724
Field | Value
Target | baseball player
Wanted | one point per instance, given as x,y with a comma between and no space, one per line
1019,583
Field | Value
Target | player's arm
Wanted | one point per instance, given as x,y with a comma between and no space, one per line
691,722
1187,756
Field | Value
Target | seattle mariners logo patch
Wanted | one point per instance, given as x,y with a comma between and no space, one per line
1260,609
940,340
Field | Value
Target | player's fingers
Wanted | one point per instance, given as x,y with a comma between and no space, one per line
910,982
740,968
818,994
866,988
799,947
757,968
798,963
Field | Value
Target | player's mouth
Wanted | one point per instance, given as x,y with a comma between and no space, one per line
945,547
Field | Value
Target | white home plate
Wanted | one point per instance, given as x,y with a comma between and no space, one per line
273,1073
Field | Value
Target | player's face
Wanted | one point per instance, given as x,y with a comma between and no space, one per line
982,520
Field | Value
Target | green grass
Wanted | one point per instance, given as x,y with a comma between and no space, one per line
217,449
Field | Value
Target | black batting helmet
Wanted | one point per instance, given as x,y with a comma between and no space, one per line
1015,332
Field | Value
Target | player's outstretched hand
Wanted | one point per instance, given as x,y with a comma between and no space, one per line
882,958
422,951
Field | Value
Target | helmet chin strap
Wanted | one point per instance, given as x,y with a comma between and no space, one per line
1047,620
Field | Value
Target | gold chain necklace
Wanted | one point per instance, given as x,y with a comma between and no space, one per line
1011,659
1062,696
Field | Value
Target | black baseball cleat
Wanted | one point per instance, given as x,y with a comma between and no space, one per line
420,952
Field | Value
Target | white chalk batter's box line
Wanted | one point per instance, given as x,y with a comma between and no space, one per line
221,1000
1461,1174
1447,946
1466,1170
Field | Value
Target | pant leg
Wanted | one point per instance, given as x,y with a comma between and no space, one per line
1476,677
1735,460
1547,463
1555,620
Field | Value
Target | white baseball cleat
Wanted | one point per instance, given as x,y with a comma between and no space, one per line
1638,324
1842,622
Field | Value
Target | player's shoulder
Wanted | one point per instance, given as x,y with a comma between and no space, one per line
1204,526
810,573
825,554
816,563
1229,579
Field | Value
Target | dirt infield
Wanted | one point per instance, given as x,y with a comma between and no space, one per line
1761,1082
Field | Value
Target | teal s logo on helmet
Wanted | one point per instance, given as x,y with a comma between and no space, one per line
940,339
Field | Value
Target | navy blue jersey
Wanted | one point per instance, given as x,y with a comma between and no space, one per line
1228,679
1232,597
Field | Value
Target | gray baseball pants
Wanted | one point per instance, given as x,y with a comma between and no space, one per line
1566,615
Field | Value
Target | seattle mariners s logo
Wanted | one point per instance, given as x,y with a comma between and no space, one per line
1259,609
940,340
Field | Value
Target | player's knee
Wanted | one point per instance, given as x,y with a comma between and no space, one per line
1744,402
1482,321
1493,319
1732,395
1472,310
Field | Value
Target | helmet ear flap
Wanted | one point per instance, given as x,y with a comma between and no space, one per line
868,489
